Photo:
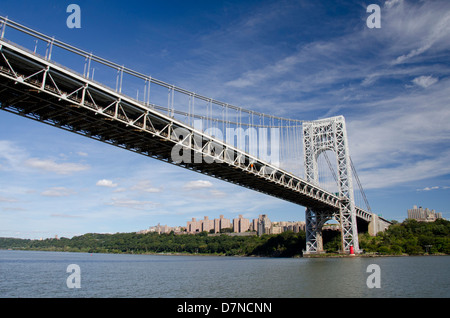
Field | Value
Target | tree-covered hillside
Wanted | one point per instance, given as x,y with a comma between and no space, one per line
410,237
286,244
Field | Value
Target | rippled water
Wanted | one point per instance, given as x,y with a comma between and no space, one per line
44,274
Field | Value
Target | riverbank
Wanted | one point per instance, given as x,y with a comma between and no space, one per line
407,238
320,255
368,255
283,245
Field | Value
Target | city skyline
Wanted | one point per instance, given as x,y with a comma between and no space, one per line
256,226
289,58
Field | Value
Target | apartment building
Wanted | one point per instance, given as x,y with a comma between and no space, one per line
221,223
207,225
283,226
160,229
261,225
241,225
423,215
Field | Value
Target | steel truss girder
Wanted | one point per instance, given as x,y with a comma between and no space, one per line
319,136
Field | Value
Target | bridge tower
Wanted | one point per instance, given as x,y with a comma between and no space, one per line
319,136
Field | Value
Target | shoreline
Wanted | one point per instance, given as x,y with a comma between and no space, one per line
324,255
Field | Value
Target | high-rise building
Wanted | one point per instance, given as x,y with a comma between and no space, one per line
194,226
264,226
160,229
283,226
208,225
261,225
221,223
241,225
423,215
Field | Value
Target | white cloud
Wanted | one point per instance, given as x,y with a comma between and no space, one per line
14,157
428,188
57,192
425,81
198,184
133,204
106,183
11,155
412,53
7,199
52,166
391,3
145,186
217,193
277,68
418,28
65,216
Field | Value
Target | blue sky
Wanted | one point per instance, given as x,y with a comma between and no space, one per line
296,59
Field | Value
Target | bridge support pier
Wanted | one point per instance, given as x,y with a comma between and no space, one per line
314,224
319,136
314,243
373,225
377,224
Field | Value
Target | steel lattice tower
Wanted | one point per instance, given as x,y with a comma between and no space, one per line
319,136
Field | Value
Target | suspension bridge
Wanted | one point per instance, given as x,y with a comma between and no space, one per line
303,162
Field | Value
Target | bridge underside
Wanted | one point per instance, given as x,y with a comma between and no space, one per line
35,88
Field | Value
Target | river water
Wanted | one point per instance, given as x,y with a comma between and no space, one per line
35,274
